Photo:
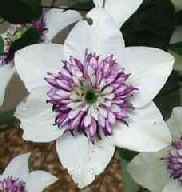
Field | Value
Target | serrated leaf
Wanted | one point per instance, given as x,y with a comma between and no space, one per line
20,11
177,48
1,45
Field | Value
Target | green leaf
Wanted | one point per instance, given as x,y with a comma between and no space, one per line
7,120
81,4
31,36
178,17
126,154
1,45
20,11
177,47
128,182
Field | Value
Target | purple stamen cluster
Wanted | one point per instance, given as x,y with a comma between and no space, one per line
12,185
174,161
89,97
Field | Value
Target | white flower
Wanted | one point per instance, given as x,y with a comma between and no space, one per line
17,178
162,171
51,23
149,68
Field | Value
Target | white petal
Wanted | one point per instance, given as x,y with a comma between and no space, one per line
146,131
102,37
39,180
18,167
77,41
35,61
150,69
177,35
175,122
37,118
6,73
150,171
56,20
173,186
121,10
84,160
98,3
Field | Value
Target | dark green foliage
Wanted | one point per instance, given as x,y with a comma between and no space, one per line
82,4
1,46
178,18
20,11
7,120
177,47
126,154
169,96
152,25
31,36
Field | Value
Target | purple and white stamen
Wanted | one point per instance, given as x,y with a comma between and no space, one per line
12,185
89,97
174,161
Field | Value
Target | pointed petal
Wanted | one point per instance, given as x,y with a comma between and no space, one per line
98,3
39,180
121,10
172,186
150,171
150,69
33,62
146,131
6,73
89,162
76,43
18,167
175,122
56,20
37,118
102,37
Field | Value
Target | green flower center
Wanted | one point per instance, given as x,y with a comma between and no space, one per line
91,96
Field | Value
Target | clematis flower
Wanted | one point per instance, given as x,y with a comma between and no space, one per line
52,22
17,178
93,94
162,171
